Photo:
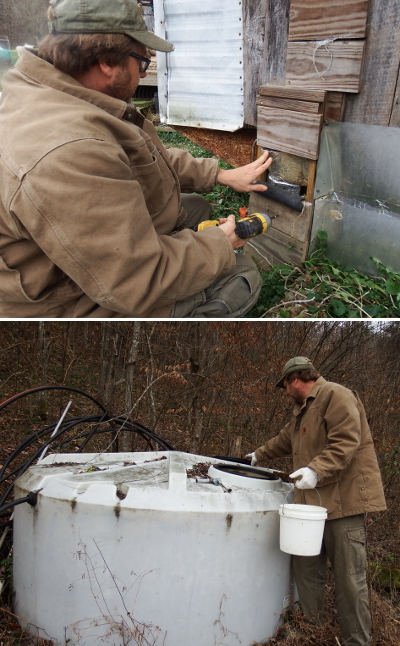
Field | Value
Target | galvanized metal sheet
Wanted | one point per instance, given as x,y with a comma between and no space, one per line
357,195
200,83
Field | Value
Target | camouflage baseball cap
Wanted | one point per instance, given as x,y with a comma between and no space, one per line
104,17
297,363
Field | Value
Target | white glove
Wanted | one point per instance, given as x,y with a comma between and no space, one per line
308,478
252,457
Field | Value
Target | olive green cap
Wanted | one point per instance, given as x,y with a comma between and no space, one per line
104,17
297,363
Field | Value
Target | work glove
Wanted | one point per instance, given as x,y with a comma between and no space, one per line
307,478
252,457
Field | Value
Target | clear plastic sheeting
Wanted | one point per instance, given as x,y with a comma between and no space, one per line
292,188
357,193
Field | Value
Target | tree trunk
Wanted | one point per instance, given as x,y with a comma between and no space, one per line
130,369
44,351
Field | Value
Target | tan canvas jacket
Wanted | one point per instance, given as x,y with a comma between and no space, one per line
329,433
89,200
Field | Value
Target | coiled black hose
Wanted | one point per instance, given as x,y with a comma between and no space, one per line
56,441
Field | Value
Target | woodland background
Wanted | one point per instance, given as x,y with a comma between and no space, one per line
23,21
209,388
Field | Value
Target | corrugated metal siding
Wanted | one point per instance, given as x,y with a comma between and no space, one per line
201,82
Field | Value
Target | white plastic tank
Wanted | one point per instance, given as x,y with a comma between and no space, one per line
130,548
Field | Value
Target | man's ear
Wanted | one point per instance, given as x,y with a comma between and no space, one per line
106,69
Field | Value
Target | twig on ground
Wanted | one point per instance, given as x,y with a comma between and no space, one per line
310,300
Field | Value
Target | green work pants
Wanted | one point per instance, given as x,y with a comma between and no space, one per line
344,545
233,293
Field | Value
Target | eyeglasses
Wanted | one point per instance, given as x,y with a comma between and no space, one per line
143,62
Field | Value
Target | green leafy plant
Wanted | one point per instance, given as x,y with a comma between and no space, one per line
322,288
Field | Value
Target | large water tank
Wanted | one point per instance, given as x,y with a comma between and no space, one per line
131,548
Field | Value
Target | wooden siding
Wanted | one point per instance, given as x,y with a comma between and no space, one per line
266,25
376,102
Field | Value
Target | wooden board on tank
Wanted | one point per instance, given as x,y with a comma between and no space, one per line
288,221
335,66
276,248
286,92
318,19
289,131
288,104
334,108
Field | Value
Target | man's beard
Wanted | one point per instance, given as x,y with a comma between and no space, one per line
298,398
122,87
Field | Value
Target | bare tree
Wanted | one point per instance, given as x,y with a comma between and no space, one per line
44,350
129,373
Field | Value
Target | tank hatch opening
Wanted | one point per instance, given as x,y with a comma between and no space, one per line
246,471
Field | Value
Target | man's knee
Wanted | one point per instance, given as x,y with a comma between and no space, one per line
231,295
238,289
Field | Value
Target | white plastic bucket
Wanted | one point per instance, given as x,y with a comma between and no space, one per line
301,529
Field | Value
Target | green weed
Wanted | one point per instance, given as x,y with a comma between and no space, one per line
321,288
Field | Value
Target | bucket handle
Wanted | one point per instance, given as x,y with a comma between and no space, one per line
283,506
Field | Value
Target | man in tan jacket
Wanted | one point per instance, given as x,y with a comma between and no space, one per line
336,467
96,216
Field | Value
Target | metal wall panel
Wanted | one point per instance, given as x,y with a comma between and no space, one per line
357,195
200,83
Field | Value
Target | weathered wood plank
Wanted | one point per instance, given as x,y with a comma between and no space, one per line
334,106
275,42
286,220
336,66
254,16
374,104
288,104
289,131
318,19
266,25
257,153
286,92
276,248
312,171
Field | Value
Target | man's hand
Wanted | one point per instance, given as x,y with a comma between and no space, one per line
227,225
252,457
241,179
307,478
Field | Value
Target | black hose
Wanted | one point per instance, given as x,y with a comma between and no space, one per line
42,388
89,436
5,525
122,423
31,498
